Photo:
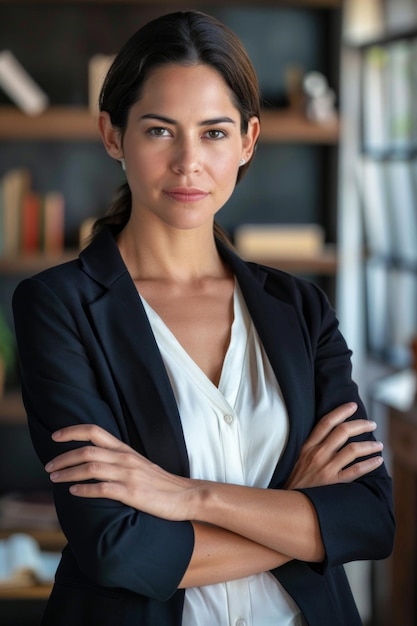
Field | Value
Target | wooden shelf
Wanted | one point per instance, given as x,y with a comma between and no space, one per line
33,263
77,123
286,126
36,592
66,123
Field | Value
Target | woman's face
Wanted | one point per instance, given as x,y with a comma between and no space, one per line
182,146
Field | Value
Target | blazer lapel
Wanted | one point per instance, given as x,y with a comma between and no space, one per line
126,337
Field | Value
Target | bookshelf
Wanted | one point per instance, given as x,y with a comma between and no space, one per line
33,263
69,123
387,185
355,246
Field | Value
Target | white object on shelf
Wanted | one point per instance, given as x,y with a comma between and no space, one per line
23,563
20,86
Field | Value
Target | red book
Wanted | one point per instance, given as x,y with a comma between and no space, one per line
31,222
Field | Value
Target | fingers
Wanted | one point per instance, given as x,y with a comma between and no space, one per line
88,432
82,463
90,454
327,423
355,451
89,471
345,431
360,469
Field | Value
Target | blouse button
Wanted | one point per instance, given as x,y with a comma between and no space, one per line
240,622
229,419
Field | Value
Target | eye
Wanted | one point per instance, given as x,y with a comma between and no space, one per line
158,131
215,133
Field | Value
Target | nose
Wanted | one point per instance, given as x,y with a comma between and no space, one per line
187,157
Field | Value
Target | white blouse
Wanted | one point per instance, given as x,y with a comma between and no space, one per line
235,433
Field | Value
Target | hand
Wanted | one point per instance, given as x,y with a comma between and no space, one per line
120,473
324,457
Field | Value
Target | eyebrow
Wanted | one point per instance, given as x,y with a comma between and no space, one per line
168,120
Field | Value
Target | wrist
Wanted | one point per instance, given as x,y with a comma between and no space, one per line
199,497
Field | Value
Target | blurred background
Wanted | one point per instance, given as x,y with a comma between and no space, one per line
331,196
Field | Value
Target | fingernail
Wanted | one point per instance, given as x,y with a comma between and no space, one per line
54,475
57,434
49,466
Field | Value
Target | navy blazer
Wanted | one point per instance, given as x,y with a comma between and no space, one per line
88,355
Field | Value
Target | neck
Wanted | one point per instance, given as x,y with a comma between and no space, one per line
170,254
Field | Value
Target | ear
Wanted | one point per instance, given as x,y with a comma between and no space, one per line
110,135
250,138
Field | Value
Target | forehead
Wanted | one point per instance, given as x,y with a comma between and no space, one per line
176,84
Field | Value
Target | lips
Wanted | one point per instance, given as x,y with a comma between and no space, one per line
186,194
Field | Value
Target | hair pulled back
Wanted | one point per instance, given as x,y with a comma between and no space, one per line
184,38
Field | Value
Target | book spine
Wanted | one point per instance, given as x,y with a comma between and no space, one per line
53,222
16,184
31,217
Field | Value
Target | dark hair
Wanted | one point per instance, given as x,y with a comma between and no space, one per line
185,38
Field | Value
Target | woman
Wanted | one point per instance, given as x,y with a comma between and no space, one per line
211,459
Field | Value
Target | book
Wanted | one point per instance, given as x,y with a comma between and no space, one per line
402,195
24,564
20,86
378,230
389,200
275,240
30,222
53,222
98,67
402,121
15,185
376,207
375,96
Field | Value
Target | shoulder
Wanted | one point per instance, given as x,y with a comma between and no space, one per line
294,290
97,267
282,285
57,278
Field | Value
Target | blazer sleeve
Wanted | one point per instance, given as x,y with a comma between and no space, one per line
356,519
114,545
